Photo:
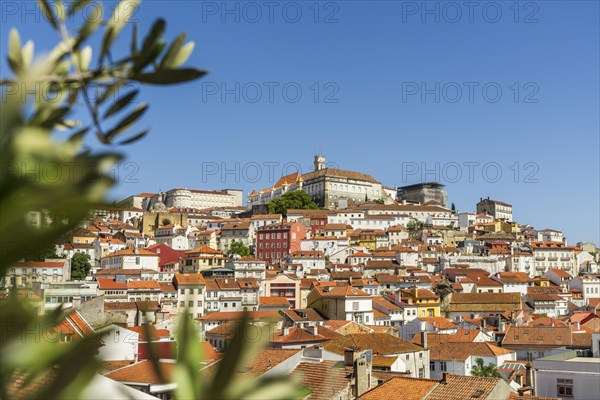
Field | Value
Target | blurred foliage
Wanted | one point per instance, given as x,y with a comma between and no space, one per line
61,177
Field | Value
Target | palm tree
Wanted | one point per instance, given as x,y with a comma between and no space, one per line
480,369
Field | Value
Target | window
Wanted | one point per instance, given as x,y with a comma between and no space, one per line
443,366
355,306
564,387
432,365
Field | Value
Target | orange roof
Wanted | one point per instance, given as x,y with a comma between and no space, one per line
539,335
439,322
380,343
39,264
108,284
457,387
234,315
143,331
189,279
267,359
296,335
411,389
142,372
74,324
204,249
143,285
340,291
274,301
462,350
325,379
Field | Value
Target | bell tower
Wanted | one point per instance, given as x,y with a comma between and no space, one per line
319,162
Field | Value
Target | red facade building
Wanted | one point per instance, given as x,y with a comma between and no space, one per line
275,242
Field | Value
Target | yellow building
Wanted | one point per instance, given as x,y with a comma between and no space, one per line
500,226
427,302
83,236
201,259
370,239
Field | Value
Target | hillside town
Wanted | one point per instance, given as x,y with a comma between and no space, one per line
373,291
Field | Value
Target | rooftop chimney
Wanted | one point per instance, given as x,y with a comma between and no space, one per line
424,339
528,375
444,378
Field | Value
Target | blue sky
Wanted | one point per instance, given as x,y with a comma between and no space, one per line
404,91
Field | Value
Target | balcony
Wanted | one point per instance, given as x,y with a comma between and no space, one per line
565,259
540,259
552,258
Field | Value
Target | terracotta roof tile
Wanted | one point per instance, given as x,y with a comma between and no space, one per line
462,350
142,372
411,389
189,279
324,379
459,387
380,343
539,335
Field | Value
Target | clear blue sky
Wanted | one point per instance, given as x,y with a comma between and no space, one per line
370,61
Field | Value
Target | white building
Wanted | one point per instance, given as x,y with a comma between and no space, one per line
199,199
247,267
495,208
336,250
342,303
522,261
309,259
588,284
568,375
190,294
131,259
514,282
458,358
466,220
550,235
118,344
554,255
25,274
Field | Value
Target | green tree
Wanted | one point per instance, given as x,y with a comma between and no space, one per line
414,225
295,200
39,99
379,201
480,369
240,249
80,265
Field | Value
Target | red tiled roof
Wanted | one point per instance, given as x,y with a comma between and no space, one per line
410,388
188,279
325,379
142,372
143,285
110,284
